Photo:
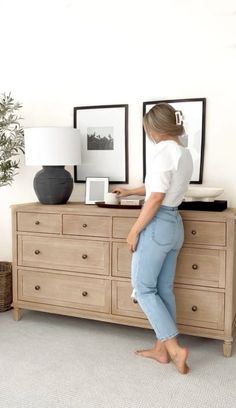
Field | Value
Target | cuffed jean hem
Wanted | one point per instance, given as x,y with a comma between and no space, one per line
169,337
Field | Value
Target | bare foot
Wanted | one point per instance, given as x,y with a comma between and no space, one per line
179,359
160,355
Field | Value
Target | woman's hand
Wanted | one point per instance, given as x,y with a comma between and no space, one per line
124,192
132,240
121,192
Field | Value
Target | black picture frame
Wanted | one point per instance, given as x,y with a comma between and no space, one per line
104,142
193,109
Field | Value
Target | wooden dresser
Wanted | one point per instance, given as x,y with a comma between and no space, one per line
73,260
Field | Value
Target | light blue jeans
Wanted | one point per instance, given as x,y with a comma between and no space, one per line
153,270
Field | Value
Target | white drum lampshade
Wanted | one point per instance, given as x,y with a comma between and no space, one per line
53,148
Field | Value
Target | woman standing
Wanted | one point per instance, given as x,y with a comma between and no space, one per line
157,236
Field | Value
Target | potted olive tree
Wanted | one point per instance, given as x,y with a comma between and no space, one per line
11,144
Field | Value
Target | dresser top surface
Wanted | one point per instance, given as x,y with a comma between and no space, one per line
81,208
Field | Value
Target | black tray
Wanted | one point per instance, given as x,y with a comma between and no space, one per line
120,206
217,205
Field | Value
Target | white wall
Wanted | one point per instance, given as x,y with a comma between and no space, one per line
57,54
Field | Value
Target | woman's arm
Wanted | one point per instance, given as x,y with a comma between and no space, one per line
148,211
125,192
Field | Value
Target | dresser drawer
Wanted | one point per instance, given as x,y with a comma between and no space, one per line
204,267
64,290
87,225
121,260
39,222
122,226
122,304
200,308
64,254
203,232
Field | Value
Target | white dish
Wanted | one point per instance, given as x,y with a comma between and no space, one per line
202,193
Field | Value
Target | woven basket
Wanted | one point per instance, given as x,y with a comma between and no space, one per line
5,286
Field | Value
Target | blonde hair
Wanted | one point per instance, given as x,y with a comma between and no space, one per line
162,119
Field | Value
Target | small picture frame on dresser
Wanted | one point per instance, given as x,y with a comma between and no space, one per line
95,189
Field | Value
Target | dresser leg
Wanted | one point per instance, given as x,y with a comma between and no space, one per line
16,314
227,348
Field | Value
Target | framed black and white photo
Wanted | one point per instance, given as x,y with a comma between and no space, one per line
194,113
104,142
95,189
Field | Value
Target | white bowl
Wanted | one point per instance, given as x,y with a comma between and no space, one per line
202,193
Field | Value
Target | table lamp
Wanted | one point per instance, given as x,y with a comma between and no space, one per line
52,148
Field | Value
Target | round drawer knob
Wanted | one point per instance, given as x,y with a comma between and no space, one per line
37,222
135,301
194,308
85,225
85,293
84,256
193,232
194,266
36,252
37,287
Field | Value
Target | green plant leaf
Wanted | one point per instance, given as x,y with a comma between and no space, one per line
11,138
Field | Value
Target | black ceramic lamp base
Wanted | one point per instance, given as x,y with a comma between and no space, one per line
53,185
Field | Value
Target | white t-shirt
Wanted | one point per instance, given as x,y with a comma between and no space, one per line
169,172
